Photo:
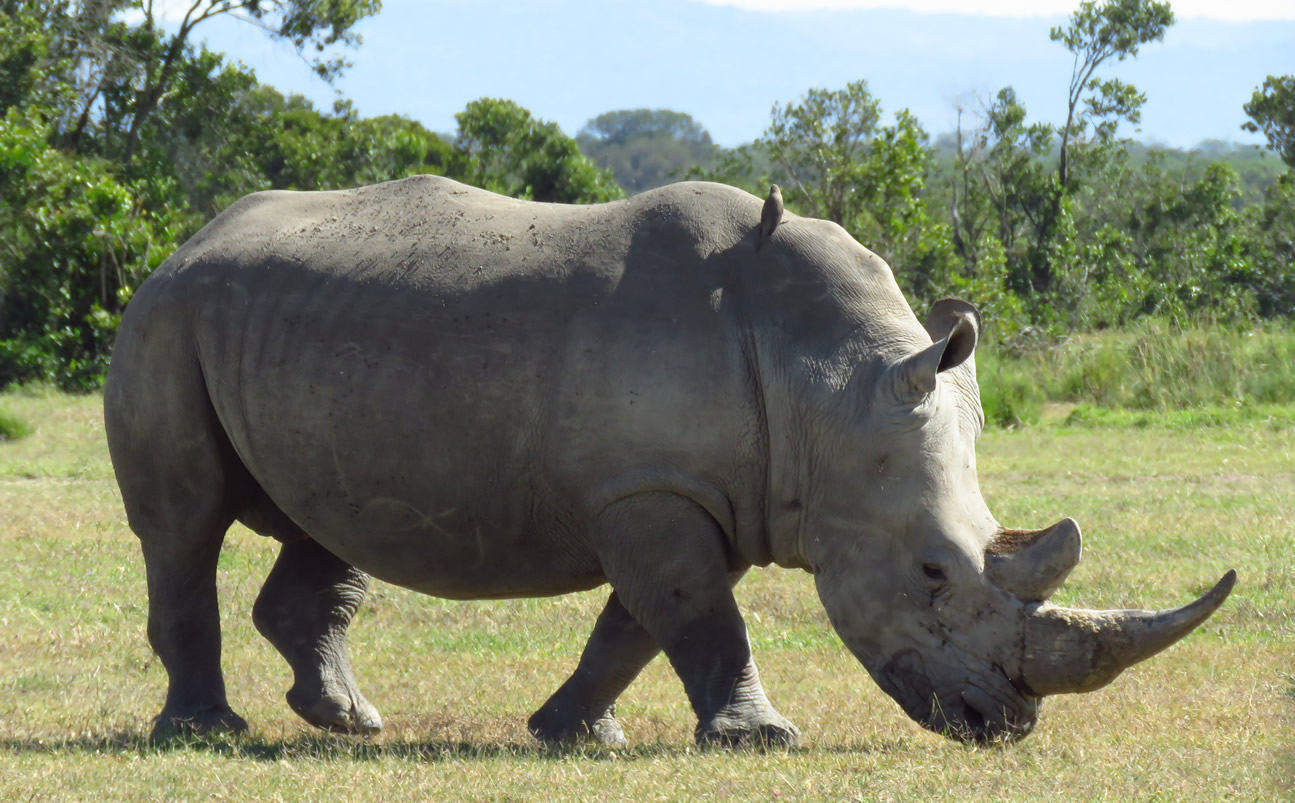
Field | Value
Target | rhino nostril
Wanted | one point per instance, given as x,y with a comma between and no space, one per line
990,720
975,722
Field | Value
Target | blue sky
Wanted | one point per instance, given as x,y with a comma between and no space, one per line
726,62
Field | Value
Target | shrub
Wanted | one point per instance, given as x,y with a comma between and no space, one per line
1009,393
12,428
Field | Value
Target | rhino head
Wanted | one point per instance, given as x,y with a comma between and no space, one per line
946,609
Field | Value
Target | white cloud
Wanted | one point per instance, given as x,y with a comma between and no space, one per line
1233,11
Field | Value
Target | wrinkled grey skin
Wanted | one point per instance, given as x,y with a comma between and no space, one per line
477,397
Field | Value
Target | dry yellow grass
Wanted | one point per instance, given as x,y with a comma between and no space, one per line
1165,513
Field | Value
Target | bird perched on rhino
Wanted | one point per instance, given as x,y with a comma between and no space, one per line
770,216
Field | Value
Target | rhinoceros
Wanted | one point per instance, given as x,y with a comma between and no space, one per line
478,397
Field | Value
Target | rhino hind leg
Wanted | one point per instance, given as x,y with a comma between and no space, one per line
184,631
304,610
668,561
584,708
180,485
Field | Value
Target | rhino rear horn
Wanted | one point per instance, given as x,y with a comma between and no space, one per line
1069,651
915,375
1030,565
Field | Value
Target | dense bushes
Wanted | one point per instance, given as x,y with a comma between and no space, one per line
1152,367
76,242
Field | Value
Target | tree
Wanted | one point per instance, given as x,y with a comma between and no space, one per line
1096,33
819,148
646,148
75,242
746,166
502,148
836,160
80,228
1272,245
1272,111
153,57
26,57
1002,190
1040,254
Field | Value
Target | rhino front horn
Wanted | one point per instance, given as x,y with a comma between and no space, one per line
1067,650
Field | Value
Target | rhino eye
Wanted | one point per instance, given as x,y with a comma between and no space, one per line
934,573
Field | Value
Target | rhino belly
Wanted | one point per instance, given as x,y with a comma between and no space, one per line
429,502
404,435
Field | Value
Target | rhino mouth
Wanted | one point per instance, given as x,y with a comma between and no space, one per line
977,709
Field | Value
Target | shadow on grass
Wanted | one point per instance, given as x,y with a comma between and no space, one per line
308,747
325,747
312,747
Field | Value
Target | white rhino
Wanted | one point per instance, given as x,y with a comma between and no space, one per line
478,397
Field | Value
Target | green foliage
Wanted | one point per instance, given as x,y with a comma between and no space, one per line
1257,169
310,24
126,71
291,145
822,147
1009,393
76,244
1270,246
1088,152
502,148
835,160
1001,198
646,148
1272,111
746,167
12,428
25,49
1153,365
94,195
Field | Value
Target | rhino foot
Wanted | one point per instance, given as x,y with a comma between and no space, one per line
337,713
775,731
202,722
552,727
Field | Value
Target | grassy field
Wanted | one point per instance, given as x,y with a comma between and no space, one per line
1165,509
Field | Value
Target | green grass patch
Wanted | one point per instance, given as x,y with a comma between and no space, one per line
1274,416
12,428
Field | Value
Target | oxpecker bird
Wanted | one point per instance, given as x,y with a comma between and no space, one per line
770,217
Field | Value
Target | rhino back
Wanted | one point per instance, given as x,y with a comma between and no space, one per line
441,385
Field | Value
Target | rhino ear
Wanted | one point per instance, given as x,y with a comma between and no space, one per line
955,327
946,313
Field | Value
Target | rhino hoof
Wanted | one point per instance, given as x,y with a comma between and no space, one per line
549,728
607,732
188,724
782,735
355,716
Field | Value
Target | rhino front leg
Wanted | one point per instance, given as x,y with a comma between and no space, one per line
584,707
304,610
668,562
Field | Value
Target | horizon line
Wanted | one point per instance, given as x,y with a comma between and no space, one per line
1235,11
